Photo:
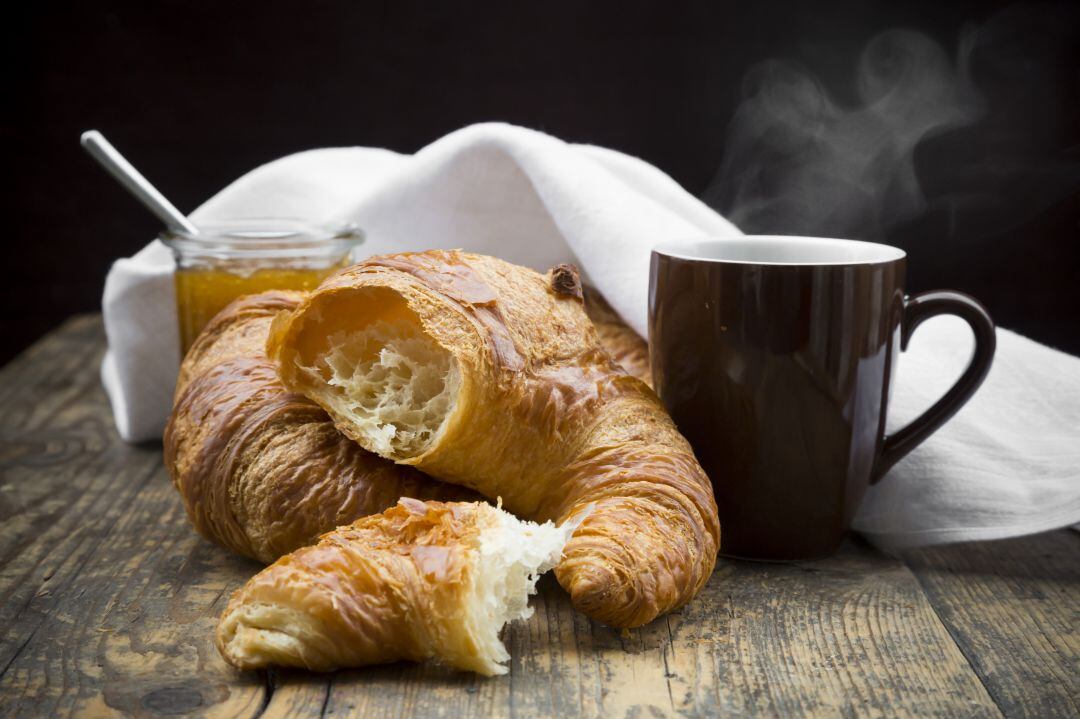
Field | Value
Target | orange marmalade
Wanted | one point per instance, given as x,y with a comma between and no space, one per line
202,293
227,260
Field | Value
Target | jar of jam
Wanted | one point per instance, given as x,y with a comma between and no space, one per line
226,260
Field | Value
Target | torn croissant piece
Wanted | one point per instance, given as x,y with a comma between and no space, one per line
262,470
491,375
421,580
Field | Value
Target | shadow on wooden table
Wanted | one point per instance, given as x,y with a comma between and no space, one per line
1050,558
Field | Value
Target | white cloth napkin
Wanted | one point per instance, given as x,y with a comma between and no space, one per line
1007,464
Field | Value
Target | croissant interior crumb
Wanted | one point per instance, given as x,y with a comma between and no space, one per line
393,382
396,383
512,555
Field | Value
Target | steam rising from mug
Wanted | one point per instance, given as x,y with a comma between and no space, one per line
797,161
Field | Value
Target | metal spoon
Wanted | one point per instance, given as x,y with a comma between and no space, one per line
109,158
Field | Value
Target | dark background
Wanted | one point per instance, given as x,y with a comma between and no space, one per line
197,94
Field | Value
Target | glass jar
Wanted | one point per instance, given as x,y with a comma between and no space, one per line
226,260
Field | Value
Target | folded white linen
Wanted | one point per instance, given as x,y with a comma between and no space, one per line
1007,464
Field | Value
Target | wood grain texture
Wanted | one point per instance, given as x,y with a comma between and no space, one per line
852,635
1013,607
107,599
108,602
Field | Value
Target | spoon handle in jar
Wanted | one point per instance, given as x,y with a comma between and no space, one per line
108,157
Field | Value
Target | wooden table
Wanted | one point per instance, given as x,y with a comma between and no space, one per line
108,602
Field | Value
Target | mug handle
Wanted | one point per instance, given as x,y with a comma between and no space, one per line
916,309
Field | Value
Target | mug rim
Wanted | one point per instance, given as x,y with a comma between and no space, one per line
859,252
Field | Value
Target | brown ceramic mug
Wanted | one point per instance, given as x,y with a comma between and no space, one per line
774,356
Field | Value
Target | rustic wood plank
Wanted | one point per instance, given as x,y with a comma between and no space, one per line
849,635
1013,606
107,599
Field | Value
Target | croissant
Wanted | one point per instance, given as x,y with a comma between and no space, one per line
421,580
491,376
623,344
261,470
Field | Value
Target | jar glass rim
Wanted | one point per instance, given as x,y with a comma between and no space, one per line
264,236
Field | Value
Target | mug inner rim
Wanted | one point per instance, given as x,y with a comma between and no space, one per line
780,250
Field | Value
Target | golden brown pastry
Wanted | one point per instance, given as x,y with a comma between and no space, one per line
490,375
623,344
421,580
261,470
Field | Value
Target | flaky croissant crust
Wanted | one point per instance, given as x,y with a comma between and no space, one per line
379,590
262,470
624,345
544,418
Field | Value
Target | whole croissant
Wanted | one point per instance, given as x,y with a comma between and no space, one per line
421,580
262,470
491,375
